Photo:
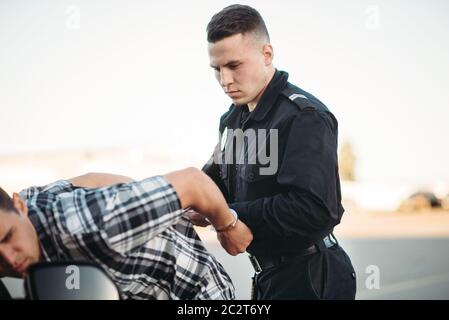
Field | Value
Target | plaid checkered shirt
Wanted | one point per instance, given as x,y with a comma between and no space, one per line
135,231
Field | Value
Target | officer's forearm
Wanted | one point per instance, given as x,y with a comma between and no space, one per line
284,215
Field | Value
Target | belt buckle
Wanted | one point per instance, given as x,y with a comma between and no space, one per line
255,263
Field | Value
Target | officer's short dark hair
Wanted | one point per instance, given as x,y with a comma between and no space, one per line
6,203
235,19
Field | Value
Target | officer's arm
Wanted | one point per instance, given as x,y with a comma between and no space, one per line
308,172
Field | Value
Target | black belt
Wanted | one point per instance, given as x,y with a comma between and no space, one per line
264,262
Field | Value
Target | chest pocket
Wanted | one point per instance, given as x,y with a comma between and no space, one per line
223,171
251,184
252,173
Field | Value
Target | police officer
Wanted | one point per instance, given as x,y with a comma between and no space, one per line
292,209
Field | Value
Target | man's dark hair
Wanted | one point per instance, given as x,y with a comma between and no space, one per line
6,203
235,19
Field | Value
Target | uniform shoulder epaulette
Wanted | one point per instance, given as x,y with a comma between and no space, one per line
300,100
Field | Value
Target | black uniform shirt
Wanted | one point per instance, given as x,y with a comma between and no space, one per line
301,202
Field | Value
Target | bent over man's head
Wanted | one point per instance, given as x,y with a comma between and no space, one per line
19,244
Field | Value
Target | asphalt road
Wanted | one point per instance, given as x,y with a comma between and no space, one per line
407,268
412,268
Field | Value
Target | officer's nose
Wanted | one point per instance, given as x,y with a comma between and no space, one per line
225,78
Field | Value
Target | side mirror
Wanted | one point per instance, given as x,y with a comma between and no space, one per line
69,281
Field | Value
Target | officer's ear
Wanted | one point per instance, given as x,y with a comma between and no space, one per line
268,53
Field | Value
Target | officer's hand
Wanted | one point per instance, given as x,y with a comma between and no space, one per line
197,219
237,239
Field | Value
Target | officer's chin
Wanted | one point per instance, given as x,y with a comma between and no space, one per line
239,102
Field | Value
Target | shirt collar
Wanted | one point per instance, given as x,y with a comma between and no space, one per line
267,100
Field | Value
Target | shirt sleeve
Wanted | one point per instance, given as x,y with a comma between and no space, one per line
127,215
308,173
55,188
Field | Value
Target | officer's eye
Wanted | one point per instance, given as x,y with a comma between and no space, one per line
234,66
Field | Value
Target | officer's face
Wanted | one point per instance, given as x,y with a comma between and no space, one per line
19,245
243,67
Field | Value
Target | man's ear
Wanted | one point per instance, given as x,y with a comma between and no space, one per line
19,204
268,54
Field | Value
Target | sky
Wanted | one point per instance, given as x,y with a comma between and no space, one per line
95,74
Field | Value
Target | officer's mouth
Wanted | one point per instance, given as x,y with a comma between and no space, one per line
233,94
